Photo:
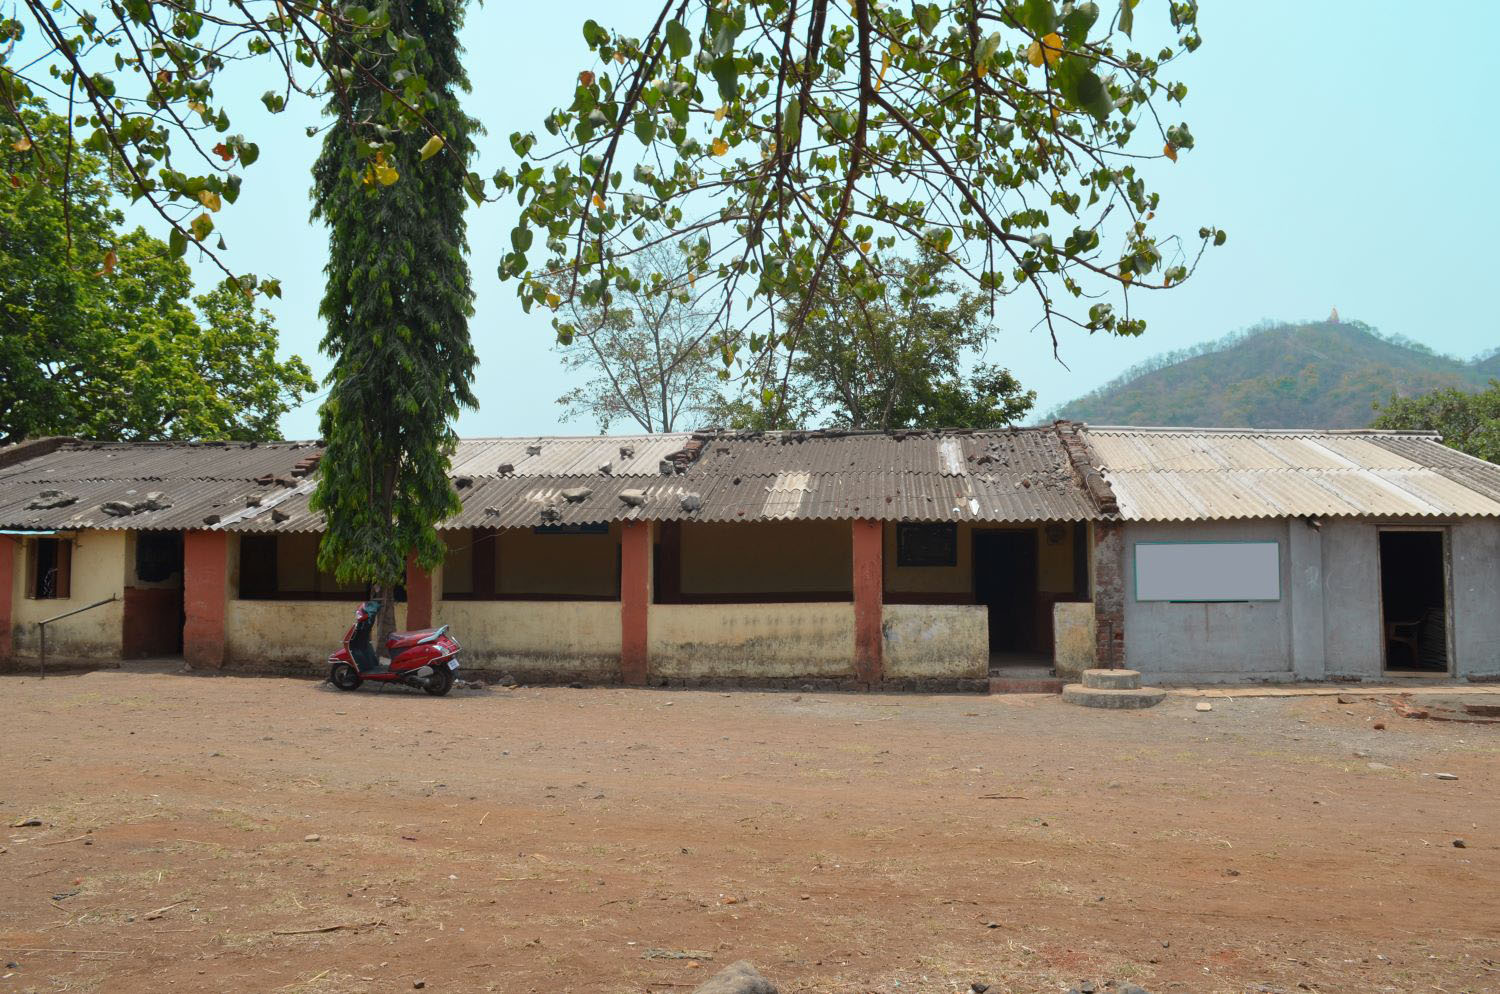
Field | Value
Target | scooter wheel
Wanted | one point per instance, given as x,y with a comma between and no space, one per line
441,681
344,677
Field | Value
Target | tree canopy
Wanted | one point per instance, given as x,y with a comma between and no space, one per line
893,359
1468,422
785,144
646,353
101,335
397,307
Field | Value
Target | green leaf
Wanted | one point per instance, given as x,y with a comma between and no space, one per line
1039,16
727,75
593,34
1077,21
1127,16
791,123
926,16
520,238
1082,87
177,243
249,152
679,42
987,49
645,128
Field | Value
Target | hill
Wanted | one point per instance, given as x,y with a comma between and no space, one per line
1322,374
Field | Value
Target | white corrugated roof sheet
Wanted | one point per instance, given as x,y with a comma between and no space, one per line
1186,474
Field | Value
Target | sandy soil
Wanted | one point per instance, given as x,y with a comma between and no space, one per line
610,840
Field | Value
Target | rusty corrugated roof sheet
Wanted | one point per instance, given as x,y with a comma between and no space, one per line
1184,474
1019,475
627,455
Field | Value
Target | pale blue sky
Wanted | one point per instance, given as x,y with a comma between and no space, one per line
1344,145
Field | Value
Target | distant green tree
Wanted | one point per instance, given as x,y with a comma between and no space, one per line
1468,422
100,334
877,357
397,305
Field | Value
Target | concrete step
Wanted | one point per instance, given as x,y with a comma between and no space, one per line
1112,679
1026,685
1089,697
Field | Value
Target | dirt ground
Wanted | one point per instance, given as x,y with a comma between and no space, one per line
254,834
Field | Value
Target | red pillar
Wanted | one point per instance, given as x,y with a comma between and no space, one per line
869,584
205,586
418,595
635,600
7,591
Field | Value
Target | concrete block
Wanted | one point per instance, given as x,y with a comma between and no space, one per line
1112,679
1143,697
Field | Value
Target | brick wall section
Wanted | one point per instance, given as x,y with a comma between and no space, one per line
8,549
635,601
869,608
1109,593
418,595
205,582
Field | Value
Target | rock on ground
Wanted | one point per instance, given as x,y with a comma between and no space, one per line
737,978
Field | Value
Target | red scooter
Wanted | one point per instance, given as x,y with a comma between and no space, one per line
424,658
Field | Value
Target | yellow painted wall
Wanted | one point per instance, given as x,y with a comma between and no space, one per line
1073,635
957,579
924,641
767,557
772,641
291,636
99,570
586,565
1055,562
536,640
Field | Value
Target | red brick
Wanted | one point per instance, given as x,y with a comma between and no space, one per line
1109,594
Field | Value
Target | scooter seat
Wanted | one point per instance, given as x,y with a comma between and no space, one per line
417,635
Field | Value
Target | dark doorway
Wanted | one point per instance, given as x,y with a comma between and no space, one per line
1005,564
154,610
1414,601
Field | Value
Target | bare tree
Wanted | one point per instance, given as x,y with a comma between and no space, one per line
648,354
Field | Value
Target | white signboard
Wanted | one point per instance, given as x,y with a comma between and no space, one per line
1207,571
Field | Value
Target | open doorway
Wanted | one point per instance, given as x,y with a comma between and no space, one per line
1005,581
1414,600
154,609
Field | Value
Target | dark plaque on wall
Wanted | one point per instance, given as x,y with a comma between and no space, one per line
923,544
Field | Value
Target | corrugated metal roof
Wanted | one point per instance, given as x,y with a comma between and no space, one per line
77,461
1182,474
1001,476
627,455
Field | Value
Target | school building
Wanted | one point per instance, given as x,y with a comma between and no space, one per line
907,559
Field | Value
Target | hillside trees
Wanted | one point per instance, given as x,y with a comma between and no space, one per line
1469,422
101,335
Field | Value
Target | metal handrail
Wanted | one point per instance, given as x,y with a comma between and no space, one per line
42,626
